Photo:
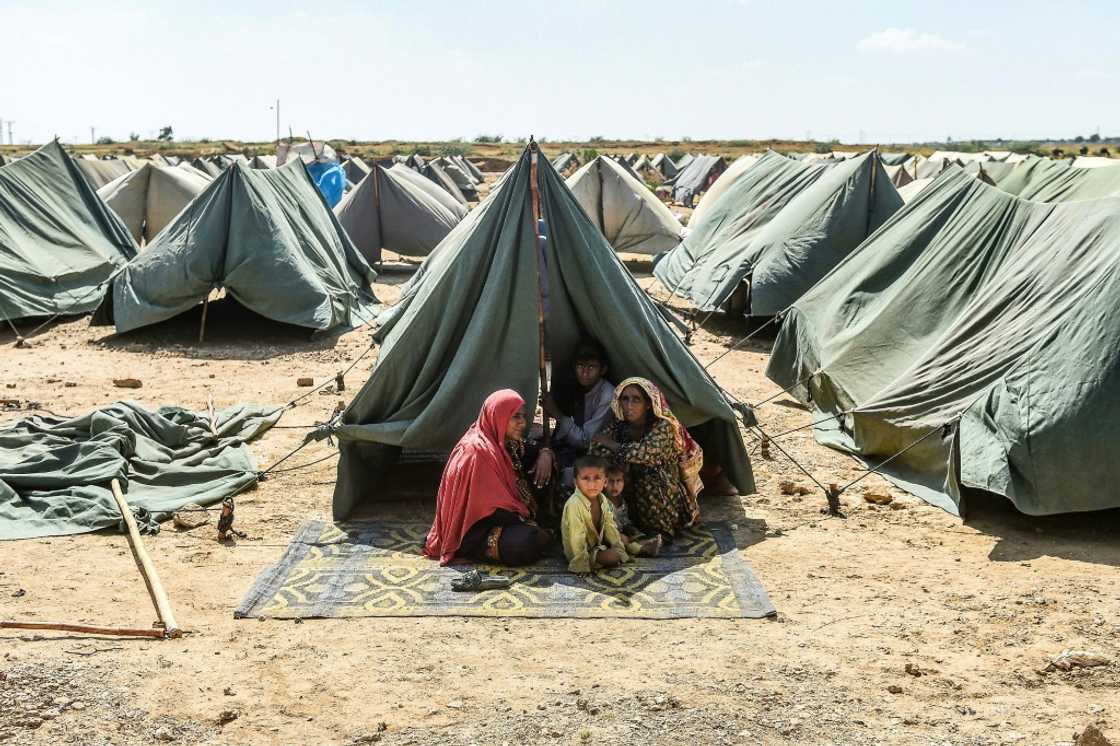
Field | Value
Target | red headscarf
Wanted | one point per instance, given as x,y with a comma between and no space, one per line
479,478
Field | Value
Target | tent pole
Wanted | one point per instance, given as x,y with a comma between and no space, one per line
536,203
147,569
871,191
202,326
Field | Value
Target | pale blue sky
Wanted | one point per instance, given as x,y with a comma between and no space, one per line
438,70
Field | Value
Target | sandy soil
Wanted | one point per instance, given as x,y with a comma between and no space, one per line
973,610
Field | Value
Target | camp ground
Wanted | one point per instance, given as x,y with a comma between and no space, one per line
651,375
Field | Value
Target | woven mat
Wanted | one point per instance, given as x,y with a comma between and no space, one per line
376,569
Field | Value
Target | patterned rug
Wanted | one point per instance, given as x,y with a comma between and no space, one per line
377,569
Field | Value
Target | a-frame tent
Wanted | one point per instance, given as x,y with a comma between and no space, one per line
630,216
150,197
781,227
58,241
467,326
267,237
388,211
972,341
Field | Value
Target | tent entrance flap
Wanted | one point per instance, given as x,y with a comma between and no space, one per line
465,327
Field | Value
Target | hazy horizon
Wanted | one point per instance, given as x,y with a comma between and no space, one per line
726,69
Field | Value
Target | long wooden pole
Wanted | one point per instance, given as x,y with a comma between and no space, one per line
534,191
202,326
84,628
147,569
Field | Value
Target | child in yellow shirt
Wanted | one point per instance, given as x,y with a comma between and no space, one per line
588,528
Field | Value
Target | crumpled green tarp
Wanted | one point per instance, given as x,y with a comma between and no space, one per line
986,324
466,326
55,472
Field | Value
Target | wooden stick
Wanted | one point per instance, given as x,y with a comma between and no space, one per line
147,569
85,628
210,411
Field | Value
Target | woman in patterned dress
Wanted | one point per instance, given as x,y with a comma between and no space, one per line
662,459
486,509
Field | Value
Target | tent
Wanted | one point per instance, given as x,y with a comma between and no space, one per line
665,165
565,162
781,226
693,179
725,180
684,160
356,169
208,167
1094,161
630,216
150,197
435,172
262,161
99,173
387,210
913,188
978,331
463,180
58,241
898,175
467,326
268,238
893,159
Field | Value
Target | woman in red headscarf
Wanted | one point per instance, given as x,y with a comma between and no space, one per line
485,508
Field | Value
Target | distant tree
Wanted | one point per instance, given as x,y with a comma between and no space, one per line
1079,138
488,138
134,136
1094,137
423,150
588,154
105,141
822,147
598,138
676,154
166,134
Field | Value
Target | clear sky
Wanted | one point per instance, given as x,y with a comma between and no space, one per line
728,69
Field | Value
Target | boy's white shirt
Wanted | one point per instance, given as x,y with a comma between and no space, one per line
596,409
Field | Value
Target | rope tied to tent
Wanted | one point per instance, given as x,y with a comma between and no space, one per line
773,319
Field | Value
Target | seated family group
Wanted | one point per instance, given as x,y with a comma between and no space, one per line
623,468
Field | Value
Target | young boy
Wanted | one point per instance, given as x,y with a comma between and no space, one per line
616,483
581,411
588,528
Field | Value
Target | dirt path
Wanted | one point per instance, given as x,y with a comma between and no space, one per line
973,609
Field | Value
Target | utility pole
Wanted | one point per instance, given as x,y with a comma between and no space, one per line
92,139
10,140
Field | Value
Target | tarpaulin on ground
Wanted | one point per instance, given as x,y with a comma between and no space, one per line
55,472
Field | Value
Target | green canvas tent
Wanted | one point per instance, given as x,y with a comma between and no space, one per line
693,179
387,210
467,325
100,172
58,241
721,185
268,238
208,167
148,198
630,216
780,227
435,172
468,187
356,169
979,332
665,165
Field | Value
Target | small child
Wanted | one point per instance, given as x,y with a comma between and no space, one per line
588,528
616,483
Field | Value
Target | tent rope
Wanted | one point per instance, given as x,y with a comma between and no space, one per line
732,348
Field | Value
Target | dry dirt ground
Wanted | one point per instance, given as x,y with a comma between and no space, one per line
899,625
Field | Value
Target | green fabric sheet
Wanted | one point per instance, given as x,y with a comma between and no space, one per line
58,240
783,225
989,325
267,237
466,326
55,472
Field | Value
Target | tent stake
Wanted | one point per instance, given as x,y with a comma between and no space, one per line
147,569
